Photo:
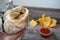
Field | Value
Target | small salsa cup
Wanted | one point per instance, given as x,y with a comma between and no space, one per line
45,32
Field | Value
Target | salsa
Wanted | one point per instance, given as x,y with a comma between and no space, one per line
45,32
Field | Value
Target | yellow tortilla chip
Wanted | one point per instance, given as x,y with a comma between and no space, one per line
45,21
33,23
53,23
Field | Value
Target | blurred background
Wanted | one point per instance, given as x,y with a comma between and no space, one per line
39,3
55,4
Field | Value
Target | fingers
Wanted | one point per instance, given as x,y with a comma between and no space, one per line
15,36
19,34
2,33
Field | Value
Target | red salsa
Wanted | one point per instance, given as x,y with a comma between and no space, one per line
45,32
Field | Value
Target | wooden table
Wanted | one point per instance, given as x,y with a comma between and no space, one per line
35,13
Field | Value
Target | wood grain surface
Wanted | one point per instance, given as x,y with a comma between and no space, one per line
35,13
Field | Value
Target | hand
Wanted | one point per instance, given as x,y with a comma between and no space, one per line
4,36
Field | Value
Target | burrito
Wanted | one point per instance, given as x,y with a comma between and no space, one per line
15,19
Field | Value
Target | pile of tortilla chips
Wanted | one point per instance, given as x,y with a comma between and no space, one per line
47,21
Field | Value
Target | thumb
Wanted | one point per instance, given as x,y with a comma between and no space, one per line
19,34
